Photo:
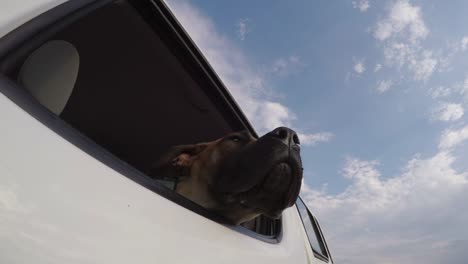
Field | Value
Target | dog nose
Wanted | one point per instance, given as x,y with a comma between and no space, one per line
287,135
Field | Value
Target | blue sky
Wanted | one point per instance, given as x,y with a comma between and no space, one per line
378,92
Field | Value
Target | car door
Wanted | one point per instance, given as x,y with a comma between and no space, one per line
73,187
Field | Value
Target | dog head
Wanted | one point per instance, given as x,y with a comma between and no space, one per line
238,176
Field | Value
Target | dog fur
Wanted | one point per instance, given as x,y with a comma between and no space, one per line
237,176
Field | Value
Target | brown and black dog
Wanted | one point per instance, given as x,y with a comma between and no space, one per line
238,176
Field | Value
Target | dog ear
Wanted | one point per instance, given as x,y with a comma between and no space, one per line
176,162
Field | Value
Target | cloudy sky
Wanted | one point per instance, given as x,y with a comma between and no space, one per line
378,92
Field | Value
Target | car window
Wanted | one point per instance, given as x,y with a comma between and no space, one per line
132,88
312,230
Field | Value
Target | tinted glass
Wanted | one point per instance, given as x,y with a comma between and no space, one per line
311,229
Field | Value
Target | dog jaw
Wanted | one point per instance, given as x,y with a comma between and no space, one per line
265,177
238,177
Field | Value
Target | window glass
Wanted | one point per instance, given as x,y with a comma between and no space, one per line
311,229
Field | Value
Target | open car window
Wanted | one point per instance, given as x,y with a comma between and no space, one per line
119,81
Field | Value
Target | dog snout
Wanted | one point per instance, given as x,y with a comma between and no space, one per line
286,135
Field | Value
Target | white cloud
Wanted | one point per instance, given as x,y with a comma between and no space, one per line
447,54
313,139
403,18
246,84
452,138
462,89
401,32
424,66
359,67
464,43
420,63
440,92
447,112
458,90
274,115
414,217
384,86
242,28
287,66
362,5
377,67
465,85
397,53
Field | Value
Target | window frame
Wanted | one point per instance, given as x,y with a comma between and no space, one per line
317,233
323,238
20,42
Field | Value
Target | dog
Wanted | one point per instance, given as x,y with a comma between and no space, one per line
237,176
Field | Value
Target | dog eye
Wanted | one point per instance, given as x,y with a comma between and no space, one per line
235,138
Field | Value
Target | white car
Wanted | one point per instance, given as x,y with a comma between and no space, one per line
91,91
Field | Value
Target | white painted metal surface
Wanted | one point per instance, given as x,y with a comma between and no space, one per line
14,13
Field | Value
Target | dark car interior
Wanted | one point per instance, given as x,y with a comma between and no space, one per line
121,77
131,94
